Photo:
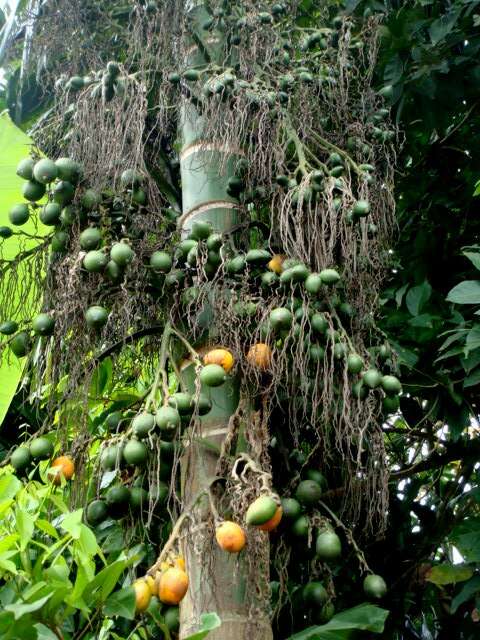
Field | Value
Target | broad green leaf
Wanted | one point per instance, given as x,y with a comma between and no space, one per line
365,617
106,580
72,523
44,633
8,542
441,27
20,609
473,338
466,537
469,589
10,485
472,379
47,528
399,294
474,258
449,574
8,565
87,542
25,526
467,292
417,297
208,622
14,145
121,603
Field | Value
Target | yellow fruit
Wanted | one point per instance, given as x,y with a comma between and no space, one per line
260,356
151,585
223,357
143,595
179,562
273,523
173,585
230,537
164,566
61,466
276,263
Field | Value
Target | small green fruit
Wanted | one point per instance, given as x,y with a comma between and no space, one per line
374,586
328,546
329,276
122,254
19,214
96,512
261,510
33,191
95,261
91,238
20,458
20,344
43,324
41,448
50,214
143,425
45,171
372,378
308,493
212,375
25,168
135,453
96,317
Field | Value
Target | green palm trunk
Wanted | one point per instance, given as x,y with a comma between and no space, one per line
217,583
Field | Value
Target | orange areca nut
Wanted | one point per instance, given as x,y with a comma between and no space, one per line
260,356
61,466
273,523
276,263
220,356
173,585
230,537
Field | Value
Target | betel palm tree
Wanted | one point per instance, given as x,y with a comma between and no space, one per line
221,233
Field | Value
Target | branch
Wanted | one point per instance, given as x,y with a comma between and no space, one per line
454,451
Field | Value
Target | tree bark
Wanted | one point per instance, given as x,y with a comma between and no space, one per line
218,580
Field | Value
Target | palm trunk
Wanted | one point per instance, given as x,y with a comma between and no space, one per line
218,580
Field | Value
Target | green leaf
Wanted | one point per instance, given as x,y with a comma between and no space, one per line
102,377
449,574
399,293
466,537
14,145
474,258
25,526
10,485
467,292
471,588
106,580
121,603
441,27
365,617
208,622
473,338
87,542
472,379
6,564
44,633
72,523
417,297
47,528
19,610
